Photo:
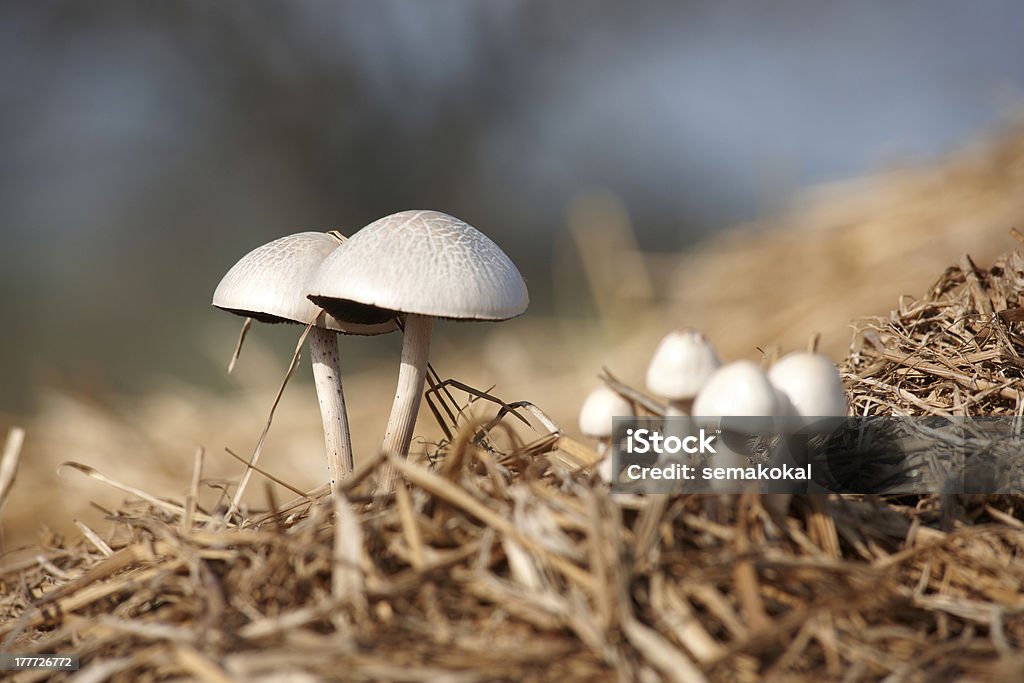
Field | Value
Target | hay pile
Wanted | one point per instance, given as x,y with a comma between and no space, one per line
954,351
501,560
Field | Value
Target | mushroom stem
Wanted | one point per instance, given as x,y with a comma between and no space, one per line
323,351
679,408
604,465
411,376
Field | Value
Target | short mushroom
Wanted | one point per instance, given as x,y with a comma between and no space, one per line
419,265
741,397
742,389
682,363
269,284
811,382
599,407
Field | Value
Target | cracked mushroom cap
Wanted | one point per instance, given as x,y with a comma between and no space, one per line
269,284
422,262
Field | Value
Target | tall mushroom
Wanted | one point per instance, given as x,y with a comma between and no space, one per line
269,284
420,265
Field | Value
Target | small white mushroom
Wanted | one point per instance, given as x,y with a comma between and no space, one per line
741,389
682,363
269,284
812,384
419,265
738,390
599,407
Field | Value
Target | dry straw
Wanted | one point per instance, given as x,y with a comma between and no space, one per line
954,351
507,560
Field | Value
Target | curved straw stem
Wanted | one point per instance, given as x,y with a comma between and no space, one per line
266,428
323,351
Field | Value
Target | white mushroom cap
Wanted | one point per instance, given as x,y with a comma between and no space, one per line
812,383
422,262
739,389
600,406
270,284
682,363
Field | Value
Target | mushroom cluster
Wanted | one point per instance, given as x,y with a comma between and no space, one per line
798,392
417,265
403,270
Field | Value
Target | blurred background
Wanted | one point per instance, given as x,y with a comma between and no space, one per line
761,171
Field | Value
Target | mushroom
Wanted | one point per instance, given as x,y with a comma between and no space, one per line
682,363
741,389
812,384
269,284
419,265
738,399
599,407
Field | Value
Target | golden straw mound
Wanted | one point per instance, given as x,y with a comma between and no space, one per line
505,560
952,352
